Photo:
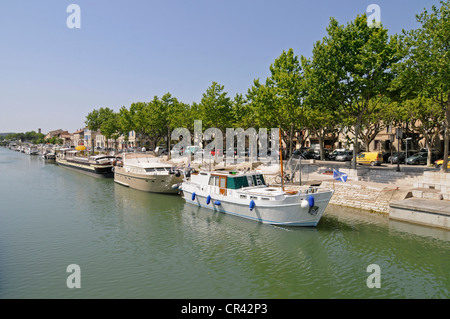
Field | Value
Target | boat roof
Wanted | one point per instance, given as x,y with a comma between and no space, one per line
230,173
143,160
102,156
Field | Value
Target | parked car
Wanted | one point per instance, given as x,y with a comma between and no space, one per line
175,152
439,163
317,154
386,156
421,158
332,155
193,150
304,154
369,158
344,156
398,157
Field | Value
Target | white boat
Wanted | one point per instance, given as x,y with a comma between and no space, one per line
48,155
147,173
245,194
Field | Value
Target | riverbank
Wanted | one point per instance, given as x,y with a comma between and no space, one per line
421,199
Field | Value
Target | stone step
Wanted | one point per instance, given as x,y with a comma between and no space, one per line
441,187
427,193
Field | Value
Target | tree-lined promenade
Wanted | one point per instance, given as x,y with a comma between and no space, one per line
359,79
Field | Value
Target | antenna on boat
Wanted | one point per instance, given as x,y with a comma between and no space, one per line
281,159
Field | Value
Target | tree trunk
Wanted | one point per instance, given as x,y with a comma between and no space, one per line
168,141
321,138
446,136
355,145
291,137
429,155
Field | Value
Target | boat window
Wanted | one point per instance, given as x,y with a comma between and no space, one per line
250,180
223,181
211,180
150,170
160,169
265,198
243,196
253,197
217,180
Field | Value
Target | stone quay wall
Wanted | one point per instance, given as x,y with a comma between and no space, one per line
362,195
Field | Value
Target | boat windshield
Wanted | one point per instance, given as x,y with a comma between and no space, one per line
157,169
237,182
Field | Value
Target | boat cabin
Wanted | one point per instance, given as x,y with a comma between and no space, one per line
237,184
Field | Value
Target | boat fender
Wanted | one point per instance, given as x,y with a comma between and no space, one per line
304,204
193,196
252,205
311,201
217,202
208,199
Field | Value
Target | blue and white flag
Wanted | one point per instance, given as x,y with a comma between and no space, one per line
339,176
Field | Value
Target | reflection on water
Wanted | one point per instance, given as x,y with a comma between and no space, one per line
132,244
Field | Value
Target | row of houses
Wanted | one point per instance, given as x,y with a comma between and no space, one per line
92,139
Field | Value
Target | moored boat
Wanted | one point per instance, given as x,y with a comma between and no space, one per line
147,173
96,165
245,194
51,156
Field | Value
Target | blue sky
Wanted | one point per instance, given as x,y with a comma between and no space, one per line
51,76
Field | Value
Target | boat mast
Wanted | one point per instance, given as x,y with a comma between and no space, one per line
281,159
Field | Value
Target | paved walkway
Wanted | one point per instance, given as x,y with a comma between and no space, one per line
441,207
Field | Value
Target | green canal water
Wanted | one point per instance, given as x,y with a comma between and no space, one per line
131,244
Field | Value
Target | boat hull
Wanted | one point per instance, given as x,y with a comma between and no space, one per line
283,214
147,183
102,171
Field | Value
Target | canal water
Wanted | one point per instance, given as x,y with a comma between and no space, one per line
131,244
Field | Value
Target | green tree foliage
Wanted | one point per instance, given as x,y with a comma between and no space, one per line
425,70
321,108
215,108
32,136
360,60
278,102
426,117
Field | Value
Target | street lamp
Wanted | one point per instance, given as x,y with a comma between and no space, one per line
391,138
399,135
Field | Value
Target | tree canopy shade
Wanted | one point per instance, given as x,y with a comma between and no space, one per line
357,60
278,102
425,70
215,107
